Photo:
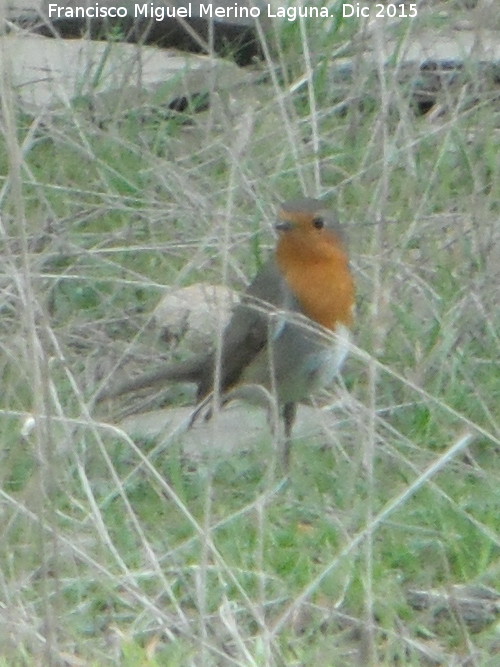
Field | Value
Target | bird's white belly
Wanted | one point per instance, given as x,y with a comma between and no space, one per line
298,363
317,369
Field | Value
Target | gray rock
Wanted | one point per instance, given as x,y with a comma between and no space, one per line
194,314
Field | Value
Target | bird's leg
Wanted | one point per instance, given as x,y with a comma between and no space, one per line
289,413
202,404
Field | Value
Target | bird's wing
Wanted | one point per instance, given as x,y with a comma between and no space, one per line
248,329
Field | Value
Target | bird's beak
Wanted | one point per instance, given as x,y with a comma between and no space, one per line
283,226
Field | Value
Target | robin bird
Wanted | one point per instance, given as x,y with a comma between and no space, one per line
273,338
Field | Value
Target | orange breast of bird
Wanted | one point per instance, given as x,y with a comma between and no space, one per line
315,266
317,283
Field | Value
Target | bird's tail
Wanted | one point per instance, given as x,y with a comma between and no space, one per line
182,371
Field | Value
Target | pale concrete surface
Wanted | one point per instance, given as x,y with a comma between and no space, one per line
47,73
237,426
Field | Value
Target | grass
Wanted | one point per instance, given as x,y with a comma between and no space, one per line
117,551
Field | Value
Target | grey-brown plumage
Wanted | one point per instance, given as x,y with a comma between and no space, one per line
265,342
245,336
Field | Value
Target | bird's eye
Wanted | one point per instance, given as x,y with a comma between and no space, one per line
318,222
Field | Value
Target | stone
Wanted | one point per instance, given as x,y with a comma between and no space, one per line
194,314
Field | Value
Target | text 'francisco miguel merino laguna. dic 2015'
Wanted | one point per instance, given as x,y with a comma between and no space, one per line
160,12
